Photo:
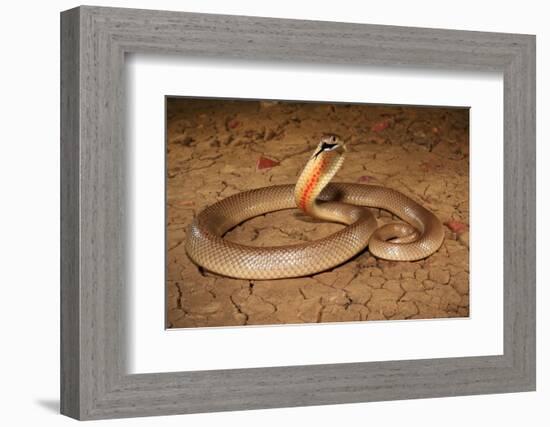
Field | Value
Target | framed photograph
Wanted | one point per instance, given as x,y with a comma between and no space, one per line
262,213
223,148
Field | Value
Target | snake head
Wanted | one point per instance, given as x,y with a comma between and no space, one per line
330,143
326,160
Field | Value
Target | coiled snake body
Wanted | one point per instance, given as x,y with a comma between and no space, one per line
346,203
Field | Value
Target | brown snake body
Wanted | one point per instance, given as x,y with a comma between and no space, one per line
421,235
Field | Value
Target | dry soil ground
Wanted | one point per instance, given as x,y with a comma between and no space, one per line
218,148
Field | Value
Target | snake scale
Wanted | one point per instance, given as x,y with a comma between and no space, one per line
419,236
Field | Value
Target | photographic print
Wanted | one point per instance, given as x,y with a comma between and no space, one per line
292,212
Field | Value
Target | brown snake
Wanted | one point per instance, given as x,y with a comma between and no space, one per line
418,238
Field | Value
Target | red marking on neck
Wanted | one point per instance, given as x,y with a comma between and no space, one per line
310,185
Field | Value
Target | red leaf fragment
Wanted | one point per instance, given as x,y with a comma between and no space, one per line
380,126
265,163
430,166
366,178
232,124
184,203
456,226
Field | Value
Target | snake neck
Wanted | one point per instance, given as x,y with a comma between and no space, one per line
315,176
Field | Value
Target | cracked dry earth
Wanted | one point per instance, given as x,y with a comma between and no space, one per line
217,148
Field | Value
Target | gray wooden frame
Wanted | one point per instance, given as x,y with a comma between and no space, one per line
94,382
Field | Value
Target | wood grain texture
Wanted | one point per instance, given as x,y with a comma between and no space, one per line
95,237
70,307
